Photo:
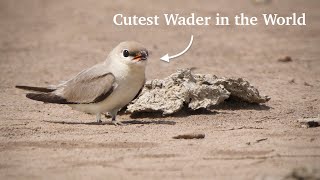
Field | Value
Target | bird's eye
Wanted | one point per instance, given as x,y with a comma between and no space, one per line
125,53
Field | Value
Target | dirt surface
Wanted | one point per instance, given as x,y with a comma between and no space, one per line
43,42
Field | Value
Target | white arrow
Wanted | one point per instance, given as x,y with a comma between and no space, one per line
167,57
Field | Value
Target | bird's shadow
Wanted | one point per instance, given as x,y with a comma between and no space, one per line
128,122
229,104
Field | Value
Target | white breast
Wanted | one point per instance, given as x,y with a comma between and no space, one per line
129,82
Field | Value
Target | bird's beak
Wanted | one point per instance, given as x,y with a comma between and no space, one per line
141,55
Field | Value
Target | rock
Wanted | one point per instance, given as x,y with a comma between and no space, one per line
190,136
261,1
171,94
303,173
292,81
309,122
307,84
285,59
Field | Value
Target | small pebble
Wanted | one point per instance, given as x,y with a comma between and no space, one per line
307,84
285,59
309,122
190,136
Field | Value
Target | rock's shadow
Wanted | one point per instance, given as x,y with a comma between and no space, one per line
184,112
149,122
234,104
229,104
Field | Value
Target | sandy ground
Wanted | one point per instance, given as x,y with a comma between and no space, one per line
43,42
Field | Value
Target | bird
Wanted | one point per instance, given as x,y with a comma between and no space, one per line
103,88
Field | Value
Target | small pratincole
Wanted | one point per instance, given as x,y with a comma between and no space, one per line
105,87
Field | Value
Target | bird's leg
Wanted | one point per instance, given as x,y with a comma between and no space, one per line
114,121
98,118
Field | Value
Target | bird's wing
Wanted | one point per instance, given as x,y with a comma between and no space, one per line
90,86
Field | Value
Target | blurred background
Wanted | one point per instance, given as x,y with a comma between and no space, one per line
43,42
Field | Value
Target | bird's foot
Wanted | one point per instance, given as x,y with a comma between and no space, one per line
117,123
98,118
99,121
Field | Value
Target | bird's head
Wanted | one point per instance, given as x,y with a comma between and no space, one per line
130,53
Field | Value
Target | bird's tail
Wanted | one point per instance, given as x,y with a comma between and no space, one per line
43,94
36,89
47,98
